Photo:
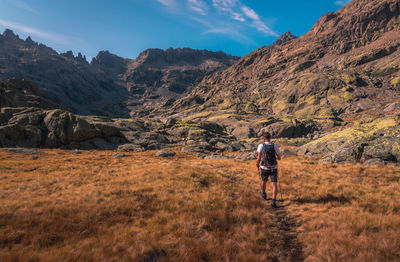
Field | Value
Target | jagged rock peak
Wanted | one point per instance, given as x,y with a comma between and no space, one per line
286,37
29,41
186,55
68,54
9,33
106,58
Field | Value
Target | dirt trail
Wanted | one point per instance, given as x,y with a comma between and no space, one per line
286,245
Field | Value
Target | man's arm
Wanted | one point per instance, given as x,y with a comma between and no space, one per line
278,156
277,152
258,160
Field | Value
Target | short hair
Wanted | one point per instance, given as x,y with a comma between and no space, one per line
267,135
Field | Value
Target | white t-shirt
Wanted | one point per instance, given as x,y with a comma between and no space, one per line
277,152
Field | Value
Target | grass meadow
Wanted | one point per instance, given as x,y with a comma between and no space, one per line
94,207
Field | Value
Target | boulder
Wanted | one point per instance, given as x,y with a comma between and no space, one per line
119,155
376,138
165,153
247,156
212,127
243,132
170,122
289,129
12,135
83,130
374,162
131,148
216,157
385,148
23,151
287,152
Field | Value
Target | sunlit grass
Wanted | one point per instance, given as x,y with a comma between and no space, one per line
95,207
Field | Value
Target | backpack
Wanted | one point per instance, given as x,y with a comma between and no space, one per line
268,155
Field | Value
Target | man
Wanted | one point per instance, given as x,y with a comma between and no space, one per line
268,154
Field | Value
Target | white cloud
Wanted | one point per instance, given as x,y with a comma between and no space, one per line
232,33
342,2
167,3
228,7
34,32
198,6
211,14
260,26
22,5
250,13
257,23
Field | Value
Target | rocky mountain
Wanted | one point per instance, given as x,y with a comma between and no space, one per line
109,85
347,65
68,80
157,77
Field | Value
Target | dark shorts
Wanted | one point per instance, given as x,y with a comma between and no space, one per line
269,173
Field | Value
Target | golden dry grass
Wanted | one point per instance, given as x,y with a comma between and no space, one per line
94,207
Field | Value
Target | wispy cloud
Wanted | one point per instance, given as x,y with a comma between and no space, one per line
250,13
232,33
167,3
60,39
198,6
23,5
342,2
213,14
257,23
228,7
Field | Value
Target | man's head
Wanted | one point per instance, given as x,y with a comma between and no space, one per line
267,136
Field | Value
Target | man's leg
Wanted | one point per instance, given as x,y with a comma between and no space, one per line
263,184
274,181
274,190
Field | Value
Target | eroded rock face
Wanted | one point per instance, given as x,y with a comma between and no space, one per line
366,139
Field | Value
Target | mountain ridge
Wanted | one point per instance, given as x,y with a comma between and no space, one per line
106,85
335,69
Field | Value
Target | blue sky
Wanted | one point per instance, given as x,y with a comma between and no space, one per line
127,27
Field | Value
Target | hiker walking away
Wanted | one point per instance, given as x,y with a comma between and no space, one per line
268,154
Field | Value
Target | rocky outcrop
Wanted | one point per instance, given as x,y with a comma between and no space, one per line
289,128
35,127
365,140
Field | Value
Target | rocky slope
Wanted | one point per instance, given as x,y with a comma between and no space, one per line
109,85
22,93
347,64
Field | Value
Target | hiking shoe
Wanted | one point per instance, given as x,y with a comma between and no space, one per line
273,205
264,195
